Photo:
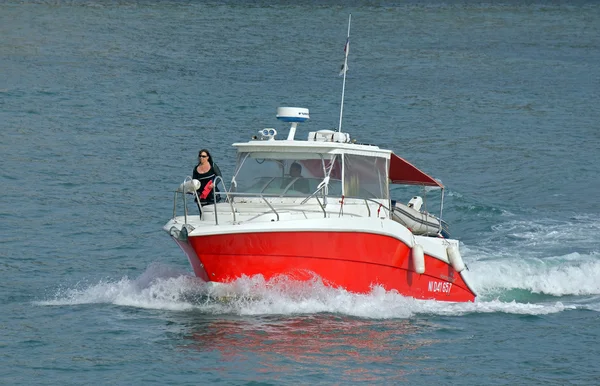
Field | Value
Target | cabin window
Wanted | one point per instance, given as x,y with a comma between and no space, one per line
289,174
365,177
357,176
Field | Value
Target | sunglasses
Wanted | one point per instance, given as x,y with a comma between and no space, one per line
203,156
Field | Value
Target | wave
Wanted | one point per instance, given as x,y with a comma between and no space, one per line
165,288
542,256
572,274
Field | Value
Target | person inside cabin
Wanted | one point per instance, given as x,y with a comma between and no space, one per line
300,183
206,171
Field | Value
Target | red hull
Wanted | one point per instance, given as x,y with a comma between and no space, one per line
354,261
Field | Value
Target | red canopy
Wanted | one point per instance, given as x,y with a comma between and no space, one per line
403,172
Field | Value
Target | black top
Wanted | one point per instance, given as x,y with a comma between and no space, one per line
204,178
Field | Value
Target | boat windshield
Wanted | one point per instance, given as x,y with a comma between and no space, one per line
295,174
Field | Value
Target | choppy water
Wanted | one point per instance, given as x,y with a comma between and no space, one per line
104,105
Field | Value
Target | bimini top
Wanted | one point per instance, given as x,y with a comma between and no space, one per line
403,172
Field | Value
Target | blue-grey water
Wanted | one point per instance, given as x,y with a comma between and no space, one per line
105,104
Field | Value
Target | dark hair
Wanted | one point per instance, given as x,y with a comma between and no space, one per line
210,159
296,165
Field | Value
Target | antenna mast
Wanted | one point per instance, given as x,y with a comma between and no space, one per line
345,70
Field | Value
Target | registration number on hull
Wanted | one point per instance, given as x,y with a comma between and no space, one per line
439,286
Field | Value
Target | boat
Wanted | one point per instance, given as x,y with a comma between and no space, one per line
321,207
340,225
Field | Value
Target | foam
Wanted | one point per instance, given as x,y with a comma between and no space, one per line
544,256
571,274
164,288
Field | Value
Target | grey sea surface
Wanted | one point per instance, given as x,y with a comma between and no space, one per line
105,104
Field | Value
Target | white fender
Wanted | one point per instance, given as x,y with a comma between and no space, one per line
189,186
455,259
418,259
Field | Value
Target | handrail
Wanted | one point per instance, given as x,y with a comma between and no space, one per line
270,206
322,207
175,205
295,205
215,193
319,188
322,187
185,210
183,193
230,196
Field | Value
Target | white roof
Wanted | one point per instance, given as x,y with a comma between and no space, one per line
317,147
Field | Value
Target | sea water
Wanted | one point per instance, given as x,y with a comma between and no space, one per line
104,106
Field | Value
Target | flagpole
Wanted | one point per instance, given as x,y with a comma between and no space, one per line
345,69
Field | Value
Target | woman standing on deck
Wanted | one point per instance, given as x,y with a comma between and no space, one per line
206,171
